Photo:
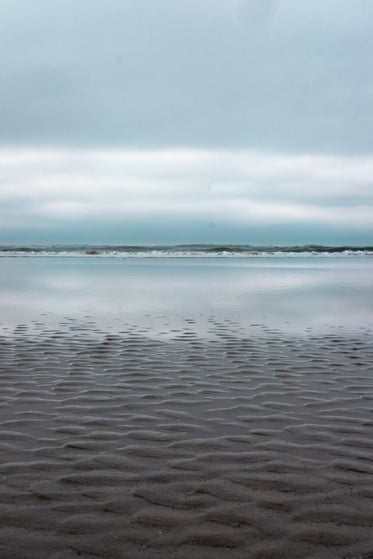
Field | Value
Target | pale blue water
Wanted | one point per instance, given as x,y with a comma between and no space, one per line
158,296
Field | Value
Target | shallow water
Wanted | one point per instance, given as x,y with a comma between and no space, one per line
287,294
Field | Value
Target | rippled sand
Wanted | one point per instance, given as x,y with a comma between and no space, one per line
124,446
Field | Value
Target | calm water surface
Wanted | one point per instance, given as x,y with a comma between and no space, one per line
159,295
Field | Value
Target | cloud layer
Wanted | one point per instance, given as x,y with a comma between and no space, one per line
231,191
164,120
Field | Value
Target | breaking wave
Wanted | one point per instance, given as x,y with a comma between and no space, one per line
182,251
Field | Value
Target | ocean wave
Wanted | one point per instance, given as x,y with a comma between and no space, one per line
183,251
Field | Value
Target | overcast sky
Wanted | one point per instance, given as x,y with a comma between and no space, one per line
241,121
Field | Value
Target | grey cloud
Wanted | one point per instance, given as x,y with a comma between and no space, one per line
279,75
171,231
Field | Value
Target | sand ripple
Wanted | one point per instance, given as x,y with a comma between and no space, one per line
122,446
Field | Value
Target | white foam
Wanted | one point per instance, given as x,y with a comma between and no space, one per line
172,253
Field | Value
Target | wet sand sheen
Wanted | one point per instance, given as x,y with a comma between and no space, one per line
123,446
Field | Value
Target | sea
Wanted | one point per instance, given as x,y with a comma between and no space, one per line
184,251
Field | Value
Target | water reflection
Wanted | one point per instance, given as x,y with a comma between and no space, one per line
290,294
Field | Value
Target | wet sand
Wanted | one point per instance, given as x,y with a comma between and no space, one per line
228,446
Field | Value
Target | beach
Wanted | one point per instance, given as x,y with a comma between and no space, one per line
186,409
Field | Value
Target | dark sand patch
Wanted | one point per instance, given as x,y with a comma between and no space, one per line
121,446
